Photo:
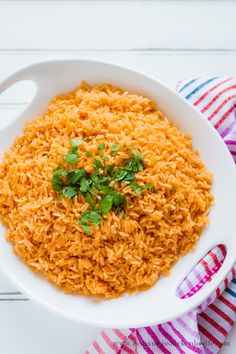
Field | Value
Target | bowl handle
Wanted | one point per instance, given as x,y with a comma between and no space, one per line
31,73
27,73
182,306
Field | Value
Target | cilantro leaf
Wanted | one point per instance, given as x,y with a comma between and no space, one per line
63,173
90,216
139,166
93,190
75,176
90,200
128,178
96,180
99,182
71,158
85,184
109,169
134,165
85,227
97,163
105,158
137,189
69,192
124,176
57,182
74,150
76,142
106,204
101,147
59,167
115,148
136,154
88,153
118,199
119,175
148,186
104,181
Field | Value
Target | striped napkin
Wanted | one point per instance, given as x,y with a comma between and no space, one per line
205,329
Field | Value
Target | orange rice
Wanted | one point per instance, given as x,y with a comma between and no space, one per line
128,251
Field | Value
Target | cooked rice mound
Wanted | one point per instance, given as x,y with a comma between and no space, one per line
129,250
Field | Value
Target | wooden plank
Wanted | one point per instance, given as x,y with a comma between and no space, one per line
5,285
117,25
26,328
112,1
168,67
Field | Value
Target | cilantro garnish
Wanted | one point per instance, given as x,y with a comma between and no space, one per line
130,176
101,147
69,192
137,189
57,178
132,166
115,148
104,158
90,200
85,227
72,155
97,165
89,217
106,204
75,175
136,154
57,182
119,175
98,188
71,158
76,142
85,184
104,181
109,169
149,187
118,199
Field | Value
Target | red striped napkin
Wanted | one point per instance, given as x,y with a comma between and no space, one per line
205,329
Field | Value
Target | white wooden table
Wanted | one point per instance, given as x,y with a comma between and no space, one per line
169,40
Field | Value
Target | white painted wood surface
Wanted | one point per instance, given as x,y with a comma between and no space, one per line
117,25
169,40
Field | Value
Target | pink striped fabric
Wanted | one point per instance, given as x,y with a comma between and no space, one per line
205,329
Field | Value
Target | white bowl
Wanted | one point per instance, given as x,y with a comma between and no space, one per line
160,303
